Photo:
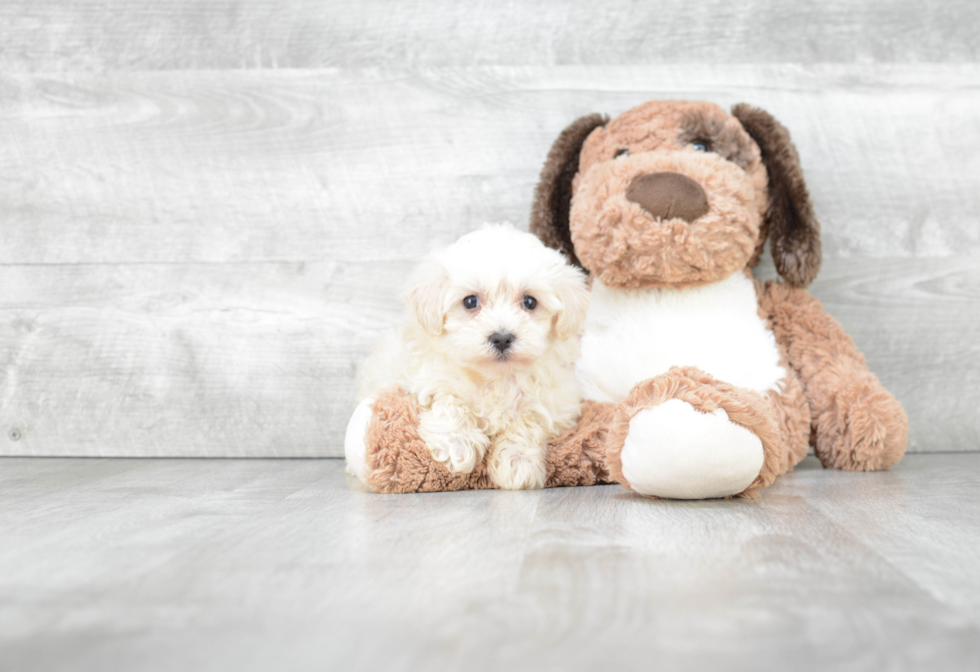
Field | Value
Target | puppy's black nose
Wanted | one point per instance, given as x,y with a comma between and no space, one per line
668,195
501,340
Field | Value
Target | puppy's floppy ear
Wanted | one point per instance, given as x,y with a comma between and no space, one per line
425,294
793,228
574,297
553,195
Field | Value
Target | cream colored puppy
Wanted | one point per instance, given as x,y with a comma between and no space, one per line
489,350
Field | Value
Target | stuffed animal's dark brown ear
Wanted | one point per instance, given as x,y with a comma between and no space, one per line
553,195
794,232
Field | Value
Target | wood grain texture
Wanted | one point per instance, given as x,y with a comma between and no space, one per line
270,564
259,359
377,165
196,262
917,321
96,35
231,359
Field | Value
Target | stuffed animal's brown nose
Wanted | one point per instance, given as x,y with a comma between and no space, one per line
668,195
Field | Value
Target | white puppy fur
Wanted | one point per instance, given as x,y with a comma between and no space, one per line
496,285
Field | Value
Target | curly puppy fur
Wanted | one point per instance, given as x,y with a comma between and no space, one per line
489,351
399,461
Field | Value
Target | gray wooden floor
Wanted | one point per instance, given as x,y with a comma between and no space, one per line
171,564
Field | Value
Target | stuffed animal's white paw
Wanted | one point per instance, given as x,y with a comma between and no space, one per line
355,449
675,451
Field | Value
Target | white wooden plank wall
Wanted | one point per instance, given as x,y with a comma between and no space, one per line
208,208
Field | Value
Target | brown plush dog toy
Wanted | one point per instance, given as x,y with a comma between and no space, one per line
699,382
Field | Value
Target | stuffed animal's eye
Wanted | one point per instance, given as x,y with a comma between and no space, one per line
471,302
530,302
621,152
700,145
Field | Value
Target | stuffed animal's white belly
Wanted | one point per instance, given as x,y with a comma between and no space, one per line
634,334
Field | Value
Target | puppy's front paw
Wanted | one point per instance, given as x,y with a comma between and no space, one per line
460,450
515,467
458,453
453,437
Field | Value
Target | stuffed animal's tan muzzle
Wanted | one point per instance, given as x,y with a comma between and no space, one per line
666,218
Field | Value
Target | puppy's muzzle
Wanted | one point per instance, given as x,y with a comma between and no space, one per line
501,340
668,195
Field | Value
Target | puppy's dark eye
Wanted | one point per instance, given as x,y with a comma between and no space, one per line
471,302
621,152
530,302
700,145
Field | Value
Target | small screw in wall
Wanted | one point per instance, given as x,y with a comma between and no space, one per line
14,435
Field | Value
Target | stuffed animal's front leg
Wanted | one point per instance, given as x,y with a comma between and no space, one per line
685,435
386,453
856,423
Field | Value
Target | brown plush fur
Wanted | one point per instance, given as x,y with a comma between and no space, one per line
744,407
578,457
671,125
721,133
789,406
626,246
399,462
754,185
791,412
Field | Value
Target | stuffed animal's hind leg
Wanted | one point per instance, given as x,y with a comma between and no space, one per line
856,423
